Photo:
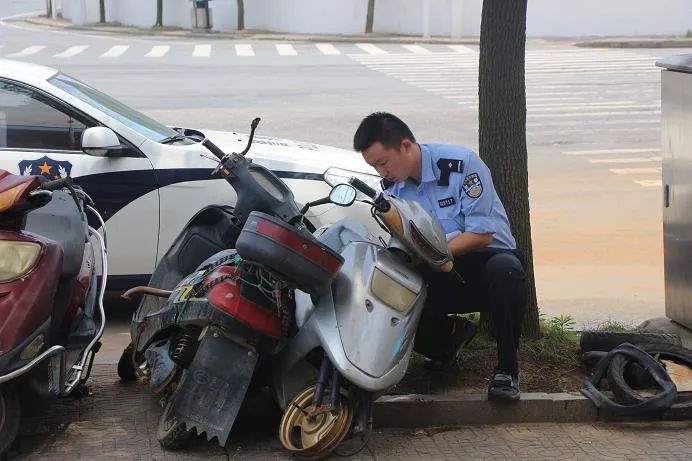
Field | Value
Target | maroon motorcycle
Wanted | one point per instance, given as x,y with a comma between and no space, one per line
51,302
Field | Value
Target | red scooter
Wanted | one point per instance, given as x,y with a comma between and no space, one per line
51,303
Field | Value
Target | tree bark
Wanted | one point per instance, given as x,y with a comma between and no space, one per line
159,13
370,17
102,11
241,15
502,125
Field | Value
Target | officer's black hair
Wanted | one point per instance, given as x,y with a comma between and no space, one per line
384,127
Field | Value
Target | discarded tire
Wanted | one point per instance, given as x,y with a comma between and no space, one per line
606,341
660,402
622,385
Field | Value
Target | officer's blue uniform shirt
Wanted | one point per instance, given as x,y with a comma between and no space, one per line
456,187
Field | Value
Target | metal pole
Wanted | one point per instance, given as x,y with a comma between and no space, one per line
426,18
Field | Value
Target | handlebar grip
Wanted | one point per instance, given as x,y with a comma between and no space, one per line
57,184
214,149
364,188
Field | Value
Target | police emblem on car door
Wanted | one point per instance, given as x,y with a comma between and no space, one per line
40,135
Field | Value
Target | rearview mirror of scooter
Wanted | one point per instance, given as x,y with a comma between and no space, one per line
342,195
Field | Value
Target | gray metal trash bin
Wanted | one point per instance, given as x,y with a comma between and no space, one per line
200,14
676,143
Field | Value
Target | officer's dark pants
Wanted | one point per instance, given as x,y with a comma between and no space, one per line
493,281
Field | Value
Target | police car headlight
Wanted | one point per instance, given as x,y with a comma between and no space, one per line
18,258
391,292
334,176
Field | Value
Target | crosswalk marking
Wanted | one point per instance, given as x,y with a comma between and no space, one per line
625,160
462,49
637,150
328,49
201,51
286,49
244,50
71,51
371,49
650,182
636,170
157,51
28,51
417,49
115,51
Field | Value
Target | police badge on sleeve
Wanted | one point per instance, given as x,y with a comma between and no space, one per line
473,187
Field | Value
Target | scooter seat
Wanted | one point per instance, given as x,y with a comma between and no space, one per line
60,221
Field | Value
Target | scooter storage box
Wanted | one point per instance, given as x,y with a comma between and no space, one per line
298,257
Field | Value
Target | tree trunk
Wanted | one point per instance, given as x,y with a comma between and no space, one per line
159,13
370,17
102,11
502,125
241,15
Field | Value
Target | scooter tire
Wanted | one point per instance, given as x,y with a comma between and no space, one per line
126,369
10,415
172,434
663,351
606,341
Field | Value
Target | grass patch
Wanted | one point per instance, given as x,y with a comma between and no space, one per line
613,327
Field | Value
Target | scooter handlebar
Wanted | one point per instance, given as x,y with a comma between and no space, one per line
57,184
364,188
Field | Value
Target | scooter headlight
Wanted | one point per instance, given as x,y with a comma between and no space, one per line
18,258
391,292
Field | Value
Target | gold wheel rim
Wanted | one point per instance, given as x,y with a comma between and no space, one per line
313,433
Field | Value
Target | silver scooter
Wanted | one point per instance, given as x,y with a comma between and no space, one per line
359,334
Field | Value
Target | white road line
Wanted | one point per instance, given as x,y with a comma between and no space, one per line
71,51
28,51
635,170
244,50
650,182
158,51
625,160
612,151
462,49
371,49
201,51
417,49
285,49
328,49
115,51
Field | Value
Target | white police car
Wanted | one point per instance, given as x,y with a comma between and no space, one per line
150,183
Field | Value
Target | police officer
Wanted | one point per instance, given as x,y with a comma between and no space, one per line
454,184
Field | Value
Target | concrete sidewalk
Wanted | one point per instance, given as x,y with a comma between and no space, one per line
119,422
587,42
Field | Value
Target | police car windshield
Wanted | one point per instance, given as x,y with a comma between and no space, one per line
133,119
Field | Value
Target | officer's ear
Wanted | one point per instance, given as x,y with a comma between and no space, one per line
405,146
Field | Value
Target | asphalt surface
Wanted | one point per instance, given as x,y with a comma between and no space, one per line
593,129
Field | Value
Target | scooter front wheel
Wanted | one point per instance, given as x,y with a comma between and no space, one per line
10,414
313,432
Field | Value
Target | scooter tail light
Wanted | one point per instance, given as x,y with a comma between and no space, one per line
17,258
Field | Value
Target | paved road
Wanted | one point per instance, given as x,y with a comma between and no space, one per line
593,129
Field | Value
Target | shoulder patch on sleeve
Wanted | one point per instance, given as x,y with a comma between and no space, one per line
473,187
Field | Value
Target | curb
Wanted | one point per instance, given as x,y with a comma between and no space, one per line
249,35
652,43
410,411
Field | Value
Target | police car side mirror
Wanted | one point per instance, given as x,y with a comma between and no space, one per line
99,141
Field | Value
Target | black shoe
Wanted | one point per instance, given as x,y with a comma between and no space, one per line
504,386
464,332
